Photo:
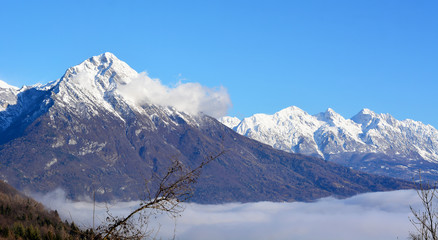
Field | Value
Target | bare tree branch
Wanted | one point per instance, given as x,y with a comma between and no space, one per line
425,221
174,187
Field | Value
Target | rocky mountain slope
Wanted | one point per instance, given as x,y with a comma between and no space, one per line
82,134
376,143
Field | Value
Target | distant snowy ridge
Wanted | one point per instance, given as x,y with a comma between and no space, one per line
328,134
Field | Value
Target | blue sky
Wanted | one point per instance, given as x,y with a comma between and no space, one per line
346,55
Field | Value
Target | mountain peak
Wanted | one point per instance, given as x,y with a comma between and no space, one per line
330,110
106,57
329,115
366,111
108,62
104,72
94,82
364,116
292,110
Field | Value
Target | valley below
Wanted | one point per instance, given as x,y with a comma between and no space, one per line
379,216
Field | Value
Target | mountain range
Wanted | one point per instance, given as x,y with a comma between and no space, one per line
83,134
370,142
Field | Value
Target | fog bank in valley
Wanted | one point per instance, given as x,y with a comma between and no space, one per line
382,215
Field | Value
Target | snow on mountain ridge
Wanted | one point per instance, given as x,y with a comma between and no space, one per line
290,129
92,84
105,83
328,133
230,122
7,86
91,88
8,95
103,73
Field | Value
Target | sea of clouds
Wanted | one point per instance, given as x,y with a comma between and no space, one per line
381,215
187,97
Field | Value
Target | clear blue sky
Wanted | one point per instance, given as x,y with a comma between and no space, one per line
346,55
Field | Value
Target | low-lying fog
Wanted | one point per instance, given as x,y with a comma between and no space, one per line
383,215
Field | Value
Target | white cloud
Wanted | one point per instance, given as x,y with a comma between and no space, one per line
367,216
188,97
81,212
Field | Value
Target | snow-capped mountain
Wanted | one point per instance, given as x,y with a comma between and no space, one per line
8,95
393,145
83,134
90,89
93,84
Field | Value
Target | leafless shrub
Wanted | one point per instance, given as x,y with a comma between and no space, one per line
167,194
425,220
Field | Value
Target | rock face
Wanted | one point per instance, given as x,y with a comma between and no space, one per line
371,142
80,133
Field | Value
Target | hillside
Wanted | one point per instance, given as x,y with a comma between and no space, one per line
23,218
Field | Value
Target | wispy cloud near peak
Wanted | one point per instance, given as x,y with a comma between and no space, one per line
188,97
